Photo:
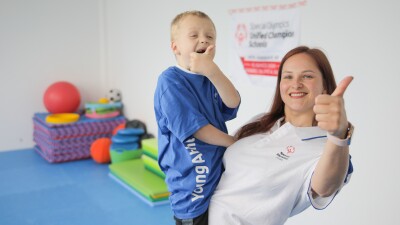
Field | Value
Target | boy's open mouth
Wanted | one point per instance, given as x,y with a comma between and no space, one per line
201,51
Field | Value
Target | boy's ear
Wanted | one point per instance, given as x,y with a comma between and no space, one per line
174,48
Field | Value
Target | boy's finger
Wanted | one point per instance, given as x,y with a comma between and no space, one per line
209,49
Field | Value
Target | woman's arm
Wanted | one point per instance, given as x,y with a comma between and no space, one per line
332,167
330,171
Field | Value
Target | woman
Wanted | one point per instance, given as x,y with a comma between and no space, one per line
296,155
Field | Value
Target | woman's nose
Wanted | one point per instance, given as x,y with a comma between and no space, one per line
297,83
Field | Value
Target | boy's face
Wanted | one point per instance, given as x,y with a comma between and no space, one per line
193,34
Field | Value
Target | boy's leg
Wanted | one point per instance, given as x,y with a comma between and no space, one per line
200,220
183,222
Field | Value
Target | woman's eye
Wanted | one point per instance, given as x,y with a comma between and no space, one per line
307,76
286,77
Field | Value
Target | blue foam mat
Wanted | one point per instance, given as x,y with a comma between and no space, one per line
34,191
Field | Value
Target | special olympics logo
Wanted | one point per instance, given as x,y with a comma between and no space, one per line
241,33
290,149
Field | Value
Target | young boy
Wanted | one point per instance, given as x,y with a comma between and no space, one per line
192,102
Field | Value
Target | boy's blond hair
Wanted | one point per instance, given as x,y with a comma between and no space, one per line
178,18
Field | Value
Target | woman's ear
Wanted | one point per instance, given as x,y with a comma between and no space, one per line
324,92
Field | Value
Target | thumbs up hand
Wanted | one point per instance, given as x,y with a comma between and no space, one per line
202,63
330,112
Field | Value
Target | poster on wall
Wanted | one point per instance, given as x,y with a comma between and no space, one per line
260,37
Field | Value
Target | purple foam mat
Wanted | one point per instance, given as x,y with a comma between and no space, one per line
84,127
67,142
62,157
60,146
71,149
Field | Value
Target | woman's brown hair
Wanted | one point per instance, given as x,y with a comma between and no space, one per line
276,112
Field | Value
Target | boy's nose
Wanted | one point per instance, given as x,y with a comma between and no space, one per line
204,40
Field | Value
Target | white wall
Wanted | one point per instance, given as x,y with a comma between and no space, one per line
124,44
41,42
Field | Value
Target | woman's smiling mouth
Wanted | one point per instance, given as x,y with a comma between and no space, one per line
297,94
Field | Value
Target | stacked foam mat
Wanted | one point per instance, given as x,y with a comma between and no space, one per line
150,156
66,142
125,144
143,176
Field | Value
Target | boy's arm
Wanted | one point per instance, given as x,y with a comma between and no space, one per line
225,88
204,64
211,135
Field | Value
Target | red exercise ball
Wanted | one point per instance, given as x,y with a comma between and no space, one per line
100,150
62,97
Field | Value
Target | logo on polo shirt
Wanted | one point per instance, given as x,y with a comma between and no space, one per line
290,149
285,156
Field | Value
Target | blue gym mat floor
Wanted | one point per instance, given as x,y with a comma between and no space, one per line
34,191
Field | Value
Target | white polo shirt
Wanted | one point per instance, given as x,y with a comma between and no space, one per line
267,177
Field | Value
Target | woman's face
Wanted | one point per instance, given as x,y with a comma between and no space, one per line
301,83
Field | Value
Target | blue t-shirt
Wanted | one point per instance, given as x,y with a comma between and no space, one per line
184,103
